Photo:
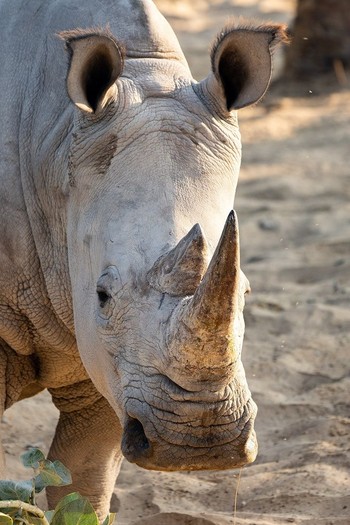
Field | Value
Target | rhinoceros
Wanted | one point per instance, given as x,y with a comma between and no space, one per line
120,288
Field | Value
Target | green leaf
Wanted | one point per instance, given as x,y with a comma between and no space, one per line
52,474
10,489
74,509
110,519
49,514
32,458
13,511
72,496
5,520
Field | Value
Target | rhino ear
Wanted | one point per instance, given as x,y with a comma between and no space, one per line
241,60
96,61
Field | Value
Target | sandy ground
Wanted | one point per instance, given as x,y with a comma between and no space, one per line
293,203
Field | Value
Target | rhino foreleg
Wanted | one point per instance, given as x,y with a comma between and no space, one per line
17,381
87,441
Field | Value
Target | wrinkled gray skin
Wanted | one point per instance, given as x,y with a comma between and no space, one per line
97,187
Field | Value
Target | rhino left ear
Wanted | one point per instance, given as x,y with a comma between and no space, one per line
241,60
96,61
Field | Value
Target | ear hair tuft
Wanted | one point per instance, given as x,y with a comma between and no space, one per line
71,35
278,33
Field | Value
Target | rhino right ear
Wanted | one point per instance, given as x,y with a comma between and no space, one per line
96,61
241,60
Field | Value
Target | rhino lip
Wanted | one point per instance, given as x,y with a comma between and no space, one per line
155,454
140,440
135,444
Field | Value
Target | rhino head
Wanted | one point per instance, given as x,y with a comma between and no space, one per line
158,292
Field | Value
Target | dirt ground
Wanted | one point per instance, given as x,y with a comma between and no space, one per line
293,203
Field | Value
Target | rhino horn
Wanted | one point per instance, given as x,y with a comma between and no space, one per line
201,331
179,271
214,302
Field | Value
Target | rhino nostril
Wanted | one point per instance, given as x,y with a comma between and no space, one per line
134,442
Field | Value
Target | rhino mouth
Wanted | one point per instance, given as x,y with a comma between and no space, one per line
150,443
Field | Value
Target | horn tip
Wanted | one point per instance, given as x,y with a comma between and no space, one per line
232,216
196,231
232,221
197,236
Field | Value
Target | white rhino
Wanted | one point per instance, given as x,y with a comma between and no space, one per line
118,173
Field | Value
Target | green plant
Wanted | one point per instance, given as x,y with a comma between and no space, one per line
17,498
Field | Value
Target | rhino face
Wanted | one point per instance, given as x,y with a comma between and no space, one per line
158,292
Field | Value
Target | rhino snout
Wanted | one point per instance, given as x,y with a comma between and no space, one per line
162,434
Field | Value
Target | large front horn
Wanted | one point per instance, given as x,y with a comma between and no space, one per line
202,329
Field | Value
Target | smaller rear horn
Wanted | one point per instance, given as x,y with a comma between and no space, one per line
179,271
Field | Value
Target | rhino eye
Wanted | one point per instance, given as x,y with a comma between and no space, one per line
103,297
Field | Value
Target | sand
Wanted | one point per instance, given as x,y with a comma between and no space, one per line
293,204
